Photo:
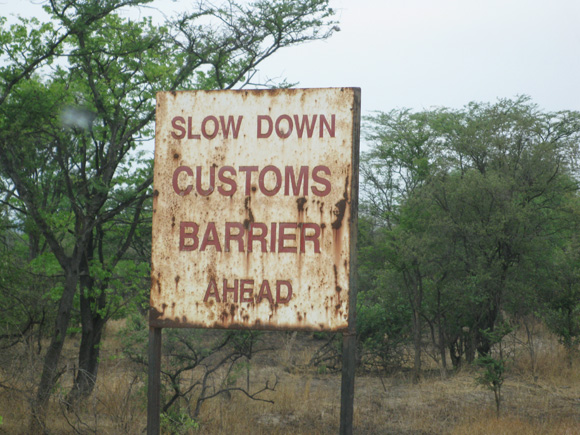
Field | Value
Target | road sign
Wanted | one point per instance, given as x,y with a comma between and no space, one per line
254,212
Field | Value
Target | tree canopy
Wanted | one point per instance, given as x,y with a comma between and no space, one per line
77,101
474,208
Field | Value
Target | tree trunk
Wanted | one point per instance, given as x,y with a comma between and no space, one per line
529,324
92,303
442,353
469,340
89,351
50,372
441,336
417,335
455,352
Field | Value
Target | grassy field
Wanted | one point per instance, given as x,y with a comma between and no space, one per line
307,399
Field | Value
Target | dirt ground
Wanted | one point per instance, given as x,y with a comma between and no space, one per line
306,399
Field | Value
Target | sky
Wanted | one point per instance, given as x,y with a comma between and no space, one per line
423,54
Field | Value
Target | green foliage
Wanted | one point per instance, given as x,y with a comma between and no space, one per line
177,422
561,308
465,213
198,365
383,330
492,375
77,100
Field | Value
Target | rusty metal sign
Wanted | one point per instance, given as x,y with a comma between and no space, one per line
254,212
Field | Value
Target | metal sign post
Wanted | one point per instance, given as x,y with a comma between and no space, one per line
154,382
349,336
254,211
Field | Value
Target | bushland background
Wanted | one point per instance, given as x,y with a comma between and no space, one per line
469,285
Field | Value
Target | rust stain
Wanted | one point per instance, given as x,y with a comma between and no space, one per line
158,282
154,314
301,201
248,207
341,207
297,247
339,213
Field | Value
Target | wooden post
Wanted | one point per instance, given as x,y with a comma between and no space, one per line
154,382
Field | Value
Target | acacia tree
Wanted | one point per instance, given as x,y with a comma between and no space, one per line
562,299
396,168
491,189
506,195
92,109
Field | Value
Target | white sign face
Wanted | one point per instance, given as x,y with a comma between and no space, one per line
254,212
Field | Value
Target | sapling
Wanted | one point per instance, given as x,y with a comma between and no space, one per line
493,374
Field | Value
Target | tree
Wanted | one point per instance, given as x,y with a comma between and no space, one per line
561,310
506,195
217,359
471,201
78,128
492,375
394,170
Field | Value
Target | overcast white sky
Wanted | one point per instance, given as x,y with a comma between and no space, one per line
427,53
424,53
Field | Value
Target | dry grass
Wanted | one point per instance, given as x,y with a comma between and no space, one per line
308,401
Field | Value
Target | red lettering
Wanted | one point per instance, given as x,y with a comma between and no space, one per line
176,189
330,128
319,180
190,134
285,236
265,292
210,189
279,298
290,237
248,170
225,180
273,237
179,128
185,235
214,241
211,291
239,237
310,238
226,127
261,134
277,184
257,238
290,181
309,127
270,180
233,290
246,293
216,127
284,133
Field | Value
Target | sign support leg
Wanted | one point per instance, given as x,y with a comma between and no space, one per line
347,387
154,382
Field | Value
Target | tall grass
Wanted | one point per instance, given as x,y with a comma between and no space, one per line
307,400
